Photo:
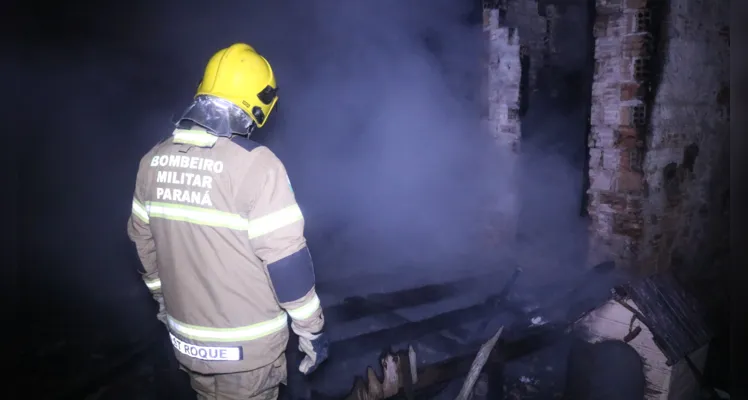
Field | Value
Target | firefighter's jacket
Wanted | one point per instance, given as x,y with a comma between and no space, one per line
217,228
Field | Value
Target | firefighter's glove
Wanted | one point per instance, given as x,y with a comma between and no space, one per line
315,346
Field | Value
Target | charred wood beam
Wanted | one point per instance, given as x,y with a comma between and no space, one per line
385,305
385,311
477,366
357,307
411,331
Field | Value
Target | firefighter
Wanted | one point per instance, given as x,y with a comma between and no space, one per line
220,236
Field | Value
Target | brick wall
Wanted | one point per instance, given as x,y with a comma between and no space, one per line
503,75
503,80
616,142
659,133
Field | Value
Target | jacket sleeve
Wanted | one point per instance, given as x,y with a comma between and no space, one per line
139,231
276,233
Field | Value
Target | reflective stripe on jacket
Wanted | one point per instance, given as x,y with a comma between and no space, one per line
220,237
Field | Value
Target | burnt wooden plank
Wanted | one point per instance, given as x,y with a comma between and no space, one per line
491,306
359,307
414,330
675,318
385,305
356,307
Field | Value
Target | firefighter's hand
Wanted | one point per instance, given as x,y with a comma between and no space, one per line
315,346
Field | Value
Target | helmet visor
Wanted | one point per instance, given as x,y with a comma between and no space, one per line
217,115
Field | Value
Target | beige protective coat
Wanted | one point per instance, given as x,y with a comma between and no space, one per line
214,219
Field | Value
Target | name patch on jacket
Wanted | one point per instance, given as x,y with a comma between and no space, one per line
207,353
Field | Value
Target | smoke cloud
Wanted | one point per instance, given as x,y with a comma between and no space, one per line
379,125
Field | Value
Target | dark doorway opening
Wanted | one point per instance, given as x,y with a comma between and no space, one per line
555,128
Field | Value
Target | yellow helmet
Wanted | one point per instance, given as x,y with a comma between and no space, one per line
243,77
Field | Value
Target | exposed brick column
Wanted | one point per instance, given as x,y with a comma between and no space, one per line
618,126
503,76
